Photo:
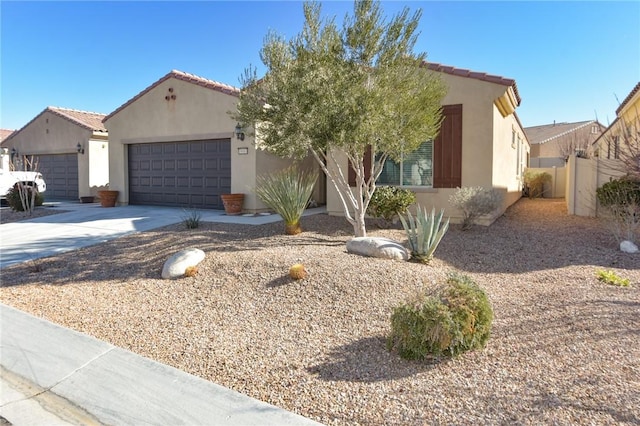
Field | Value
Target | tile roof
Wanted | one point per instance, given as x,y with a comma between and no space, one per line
547,132
88,120
461,72
180,75
628,98
5,133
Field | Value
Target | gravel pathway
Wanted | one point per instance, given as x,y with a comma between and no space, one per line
565,348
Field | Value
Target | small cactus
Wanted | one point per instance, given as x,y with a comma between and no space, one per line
191,271
297,272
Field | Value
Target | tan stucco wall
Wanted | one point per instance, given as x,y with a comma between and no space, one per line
48,134
93,174
482,123
197,113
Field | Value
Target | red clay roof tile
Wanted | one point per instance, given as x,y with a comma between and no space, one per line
461,72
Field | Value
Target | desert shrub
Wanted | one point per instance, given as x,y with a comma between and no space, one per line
287,192
474,202
619,191
620,199
610,277
15,202
191,219
452,319
535,180
424,233
388,201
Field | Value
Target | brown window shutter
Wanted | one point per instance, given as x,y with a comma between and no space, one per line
367,167
447,149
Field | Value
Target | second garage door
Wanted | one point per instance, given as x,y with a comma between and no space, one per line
60,172
190,174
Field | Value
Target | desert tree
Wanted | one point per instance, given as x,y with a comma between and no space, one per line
352,91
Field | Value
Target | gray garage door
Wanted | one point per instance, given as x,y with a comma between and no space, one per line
60,172
189,174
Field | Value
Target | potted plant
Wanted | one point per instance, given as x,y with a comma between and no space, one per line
232,203
108,198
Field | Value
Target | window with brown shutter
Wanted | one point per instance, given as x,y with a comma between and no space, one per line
447,149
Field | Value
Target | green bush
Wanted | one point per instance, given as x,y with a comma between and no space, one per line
287,192
13,197
475,202
623,191
388,201
453,319
424,233
535,180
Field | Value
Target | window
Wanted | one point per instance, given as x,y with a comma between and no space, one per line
616,147
518,157
415,169
435,164
595,129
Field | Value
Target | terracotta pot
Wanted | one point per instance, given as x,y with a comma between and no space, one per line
108,198
232,203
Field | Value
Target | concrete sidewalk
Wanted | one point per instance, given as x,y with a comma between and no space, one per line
52,375
88,224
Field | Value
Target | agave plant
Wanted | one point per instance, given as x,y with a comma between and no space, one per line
424,232
287,192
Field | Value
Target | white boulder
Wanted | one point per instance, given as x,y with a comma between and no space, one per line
377,247
177,264
628,247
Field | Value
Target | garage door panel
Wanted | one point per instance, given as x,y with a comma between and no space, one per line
60,172
193,176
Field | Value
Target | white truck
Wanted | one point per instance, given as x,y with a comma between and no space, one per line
9,178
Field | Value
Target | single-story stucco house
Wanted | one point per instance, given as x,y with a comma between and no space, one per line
481,143
174,144
552,144
71,148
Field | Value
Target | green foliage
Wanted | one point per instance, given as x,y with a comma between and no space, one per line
621,191
475,202
333,88
453,319
15,202
424,233
620,199
191,219
387,201
610,277
287,192
535,180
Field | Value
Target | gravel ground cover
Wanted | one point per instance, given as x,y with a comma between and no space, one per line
7,215
565,348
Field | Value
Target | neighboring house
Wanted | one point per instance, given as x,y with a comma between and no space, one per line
481,143
174,144
71,149
614,142
552,144
4,152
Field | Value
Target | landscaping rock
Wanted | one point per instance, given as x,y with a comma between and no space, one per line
377,247
628,247
177,264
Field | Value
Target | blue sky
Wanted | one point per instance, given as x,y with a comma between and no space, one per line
570,59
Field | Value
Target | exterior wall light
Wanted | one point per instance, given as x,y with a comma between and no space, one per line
80,148
239,133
